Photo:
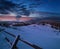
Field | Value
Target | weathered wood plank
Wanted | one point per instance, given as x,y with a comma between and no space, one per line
15,42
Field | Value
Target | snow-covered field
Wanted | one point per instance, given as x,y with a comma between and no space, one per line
41,35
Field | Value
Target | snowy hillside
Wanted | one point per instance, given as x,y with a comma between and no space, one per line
41,35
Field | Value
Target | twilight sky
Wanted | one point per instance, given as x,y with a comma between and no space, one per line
52,6
43,5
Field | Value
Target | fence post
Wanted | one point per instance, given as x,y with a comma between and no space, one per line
15,42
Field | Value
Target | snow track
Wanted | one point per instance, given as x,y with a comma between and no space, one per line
40,35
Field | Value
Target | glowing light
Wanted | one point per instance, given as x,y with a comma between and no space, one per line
12,14
34,15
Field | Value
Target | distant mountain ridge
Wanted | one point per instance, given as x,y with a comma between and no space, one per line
39,16
54,18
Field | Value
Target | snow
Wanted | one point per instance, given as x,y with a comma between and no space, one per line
41,35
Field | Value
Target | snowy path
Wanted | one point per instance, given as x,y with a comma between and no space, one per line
43,36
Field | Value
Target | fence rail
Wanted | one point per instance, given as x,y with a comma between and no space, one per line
17,38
